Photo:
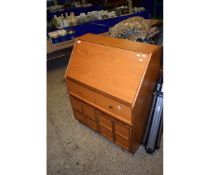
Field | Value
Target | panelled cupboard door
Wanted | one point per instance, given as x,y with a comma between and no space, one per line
122,135
108,133
79,116
92,124
101,122
104,120
84,113
105,125
85,109
122,130
113,130
89,111
122,141
76,104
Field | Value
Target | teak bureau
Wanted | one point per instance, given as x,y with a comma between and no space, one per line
110,83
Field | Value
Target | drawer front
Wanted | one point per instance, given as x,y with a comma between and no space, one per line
114,107
80,117
122,130
91,124
122,141
104,121
81,91
106,132
76,104
89,111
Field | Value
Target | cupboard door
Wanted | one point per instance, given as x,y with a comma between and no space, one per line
80,117
122,130
122,141
89,111
105,125
104,120
101,122
122,135
106,132
76,104
92,124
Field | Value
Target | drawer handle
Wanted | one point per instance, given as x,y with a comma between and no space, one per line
110,107
119,107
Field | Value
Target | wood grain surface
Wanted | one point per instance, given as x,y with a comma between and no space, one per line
111,87
114,71
119,43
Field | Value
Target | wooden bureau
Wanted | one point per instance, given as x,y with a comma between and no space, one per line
110,84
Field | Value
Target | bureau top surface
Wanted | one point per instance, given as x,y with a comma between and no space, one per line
120,43
111,70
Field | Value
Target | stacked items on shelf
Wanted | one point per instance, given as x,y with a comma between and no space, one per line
122,10
61,35
55,8
60,8
72,20
62,22
71,23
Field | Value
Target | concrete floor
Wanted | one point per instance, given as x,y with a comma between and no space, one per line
74,149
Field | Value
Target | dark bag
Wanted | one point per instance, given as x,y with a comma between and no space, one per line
153,132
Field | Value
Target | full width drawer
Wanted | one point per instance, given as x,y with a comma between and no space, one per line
113,106
81,91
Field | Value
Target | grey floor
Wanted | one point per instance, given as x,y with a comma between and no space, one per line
74,149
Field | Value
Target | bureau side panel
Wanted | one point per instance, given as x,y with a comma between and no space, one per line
144,98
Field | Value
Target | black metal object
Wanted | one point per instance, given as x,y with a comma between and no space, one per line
154,128
155,7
